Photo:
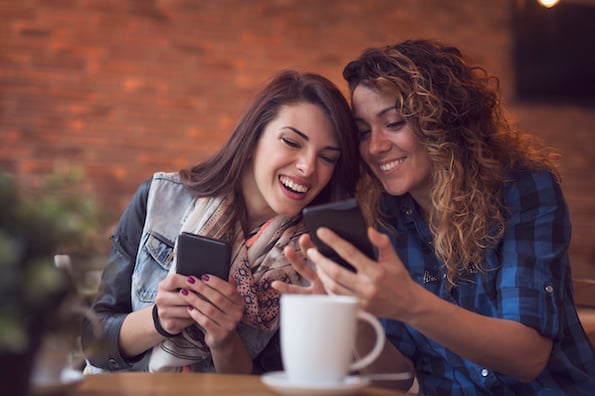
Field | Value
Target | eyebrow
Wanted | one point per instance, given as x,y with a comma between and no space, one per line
305,137
379,114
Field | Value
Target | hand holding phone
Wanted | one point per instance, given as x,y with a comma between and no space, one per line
198,255
345,218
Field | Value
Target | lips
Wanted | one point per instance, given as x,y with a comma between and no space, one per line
390,165
293,185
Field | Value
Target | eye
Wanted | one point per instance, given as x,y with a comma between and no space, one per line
396,124
291,143
364,134
330,160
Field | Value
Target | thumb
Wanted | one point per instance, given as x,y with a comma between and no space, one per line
382,243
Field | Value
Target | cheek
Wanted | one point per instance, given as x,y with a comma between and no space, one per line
364,151
325,172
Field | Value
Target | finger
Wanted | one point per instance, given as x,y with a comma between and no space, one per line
214,315
214,289
344,249
174,318
203,310
172,283
386,251
213,294
333,277
209,321
299,264
332,286
306,242
287,288
216,333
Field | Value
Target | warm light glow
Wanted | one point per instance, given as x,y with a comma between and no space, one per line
548,3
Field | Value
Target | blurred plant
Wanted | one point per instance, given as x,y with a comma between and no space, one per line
35,224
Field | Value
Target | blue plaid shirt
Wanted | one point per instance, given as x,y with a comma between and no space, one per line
528,280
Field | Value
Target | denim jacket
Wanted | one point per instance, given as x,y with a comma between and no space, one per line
140,258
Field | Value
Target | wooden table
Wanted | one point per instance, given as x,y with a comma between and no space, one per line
176,384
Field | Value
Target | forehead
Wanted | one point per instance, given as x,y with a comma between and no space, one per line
295,110
369,102
308,118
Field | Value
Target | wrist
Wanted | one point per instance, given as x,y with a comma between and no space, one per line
158,326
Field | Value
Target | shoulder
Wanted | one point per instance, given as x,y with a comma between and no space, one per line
540,186
168,192
167,178
536,197
169,183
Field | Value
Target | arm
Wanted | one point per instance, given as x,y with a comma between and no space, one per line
127,335
502,345
112,303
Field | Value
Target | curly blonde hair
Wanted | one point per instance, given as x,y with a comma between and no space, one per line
455,110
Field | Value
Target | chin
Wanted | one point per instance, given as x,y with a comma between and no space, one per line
394,190
285,210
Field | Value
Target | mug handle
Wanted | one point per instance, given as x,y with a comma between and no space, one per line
380,339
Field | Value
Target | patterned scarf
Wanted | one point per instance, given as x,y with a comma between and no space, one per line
255,263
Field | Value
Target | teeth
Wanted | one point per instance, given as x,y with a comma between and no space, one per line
292,185
390,165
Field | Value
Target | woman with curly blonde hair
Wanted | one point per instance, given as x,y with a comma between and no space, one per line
473,277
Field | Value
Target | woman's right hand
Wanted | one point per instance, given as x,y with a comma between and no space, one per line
300,265
171,307
138,332
383,287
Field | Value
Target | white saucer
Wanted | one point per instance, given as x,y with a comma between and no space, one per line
279,382
69,379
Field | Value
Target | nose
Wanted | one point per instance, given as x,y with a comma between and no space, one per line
378,143
306,163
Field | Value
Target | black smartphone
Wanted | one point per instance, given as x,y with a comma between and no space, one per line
346,219
198,255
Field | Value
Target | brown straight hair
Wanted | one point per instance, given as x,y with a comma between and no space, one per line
220,174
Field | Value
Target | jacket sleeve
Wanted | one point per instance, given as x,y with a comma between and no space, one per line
113,302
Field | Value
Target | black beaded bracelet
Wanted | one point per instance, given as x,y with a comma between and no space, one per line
158,326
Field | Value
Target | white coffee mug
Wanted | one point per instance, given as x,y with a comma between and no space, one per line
318,334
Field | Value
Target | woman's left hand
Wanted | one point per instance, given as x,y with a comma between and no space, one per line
300,265
216,305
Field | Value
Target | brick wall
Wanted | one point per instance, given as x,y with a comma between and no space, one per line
123,88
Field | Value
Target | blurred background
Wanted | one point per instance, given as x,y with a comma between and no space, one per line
123,88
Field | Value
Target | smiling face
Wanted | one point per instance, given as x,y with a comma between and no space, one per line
292,162
389,146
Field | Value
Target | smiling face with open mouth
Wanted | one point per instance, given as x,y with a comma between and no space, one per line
389,146
293,161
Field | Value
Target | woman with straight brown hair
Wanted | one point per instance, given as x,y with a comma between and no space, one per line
295,145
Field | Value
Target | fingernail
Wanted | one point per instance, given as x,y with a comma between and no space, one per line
204,277
191,280
190,308
184,292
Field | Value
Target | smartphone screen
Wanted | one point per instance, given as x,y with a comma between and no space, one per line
346,219
198,255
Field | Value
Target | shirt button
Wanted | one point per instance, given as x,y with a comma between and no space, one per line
484,372
549,288
113,364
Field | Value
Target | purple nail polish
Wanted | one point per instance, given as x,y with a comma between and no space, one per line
190,308
191,280
184,292
204,277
